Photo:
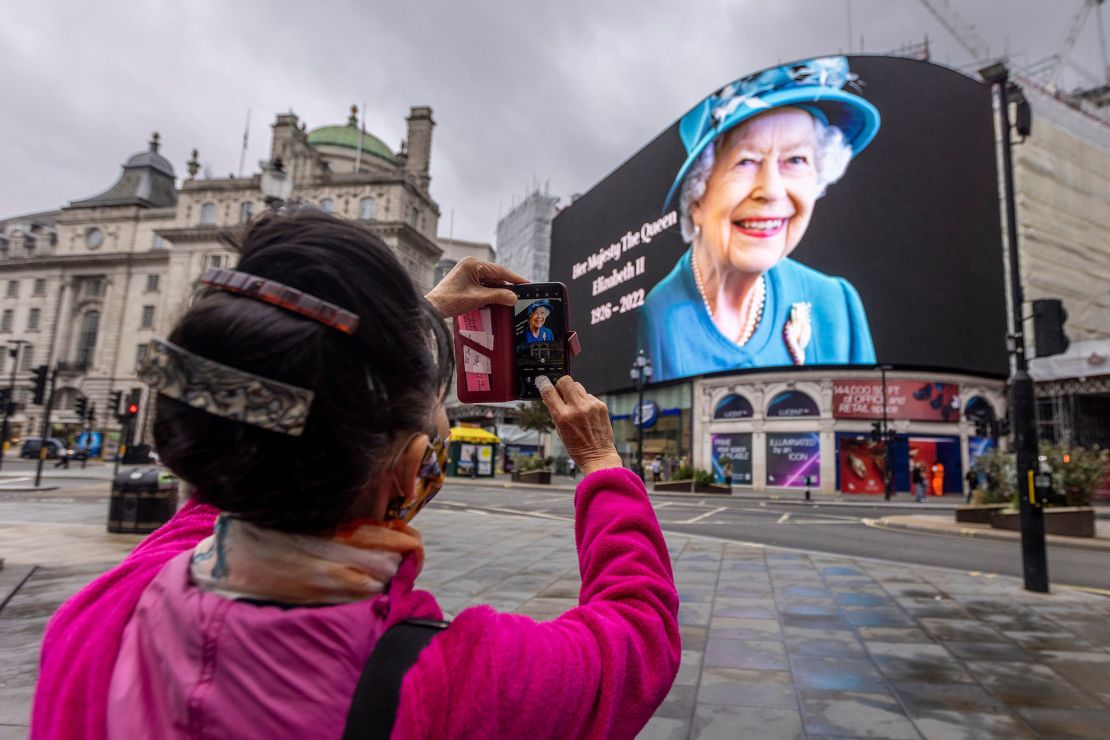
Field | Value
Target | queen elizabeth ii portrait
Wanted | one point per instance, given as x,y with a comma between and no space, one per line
760,153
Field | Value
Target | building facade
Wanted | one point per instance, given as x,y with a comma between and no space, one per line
87,287
524,237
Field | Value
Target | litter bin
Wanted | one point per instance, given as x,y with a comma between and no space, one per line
143,499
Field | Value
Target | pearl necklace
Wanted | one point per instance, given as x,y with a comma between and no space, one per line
755,312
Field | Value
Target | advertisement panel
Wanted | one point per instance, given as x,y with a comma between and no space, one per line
862,463
791,458
732,452
915,400
832,211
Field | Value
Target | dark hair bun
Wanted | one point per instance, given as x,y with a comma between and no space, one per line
370,387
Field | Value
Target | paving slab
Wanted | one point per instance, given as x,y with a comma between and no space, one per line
775,643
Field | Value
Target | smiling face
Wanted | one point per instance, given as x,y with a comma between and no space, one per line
535,321
760,193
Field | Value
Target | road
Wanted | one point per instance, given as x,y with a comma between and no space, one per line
828,528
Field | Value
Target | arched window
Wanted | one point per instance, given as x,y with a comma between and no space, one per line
443,267
90,325
366,209
327,205
791,405
208,214
733,406
246,210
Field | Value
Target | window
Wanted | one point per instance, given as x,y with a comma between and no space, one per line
90,325
94,287
140,353
215,260
208,214
327,205
246,210
40,287
6,321
158,243
415,215
148,317
33,319
366,208
4,358
151,283
13,289
28,358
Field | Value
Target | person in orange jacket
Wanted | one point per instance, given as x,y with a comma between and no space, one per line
938,478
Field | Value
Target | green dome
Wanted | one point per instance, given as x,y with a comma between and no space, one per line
347,137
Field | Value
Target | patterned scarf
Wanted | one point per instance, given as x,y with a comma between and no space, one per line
241,560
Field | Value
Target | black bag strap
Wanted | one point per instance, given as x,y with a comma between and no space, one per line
374,706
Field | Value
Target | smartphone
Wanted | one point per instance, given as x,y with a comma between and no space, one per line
539,335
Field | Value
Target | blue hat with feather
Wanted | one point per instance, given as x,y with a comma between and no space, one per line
815,85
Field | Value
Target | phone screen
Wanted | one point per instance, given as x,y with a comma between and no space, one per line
539,334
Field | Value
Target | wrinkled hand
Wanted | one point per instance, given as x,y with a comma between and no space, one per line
471,284
583,423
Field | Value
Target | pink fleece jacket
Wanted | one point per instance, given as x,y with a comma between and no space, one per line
184,663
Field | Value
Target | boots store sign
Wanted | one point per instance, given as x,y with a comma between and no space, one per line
914,400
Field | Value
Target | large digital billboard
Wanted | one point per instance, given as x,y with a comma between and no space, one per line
833,211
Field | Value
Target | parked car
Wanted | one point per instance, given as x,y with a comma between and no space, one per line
32,445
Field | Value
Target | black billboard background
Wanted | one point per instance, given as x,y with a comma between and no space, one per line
914,225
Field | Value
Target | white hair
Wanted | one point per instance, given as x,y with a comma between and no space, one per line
831,160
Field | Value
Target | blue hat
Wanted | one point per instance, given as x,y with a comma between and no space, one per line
539,304
813,85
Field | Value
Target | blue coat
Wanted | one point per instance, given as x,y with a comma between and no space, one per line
681,339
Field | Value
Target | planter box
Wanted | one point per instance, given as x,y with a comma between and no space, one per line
1070,521
532,476
979,514
688,486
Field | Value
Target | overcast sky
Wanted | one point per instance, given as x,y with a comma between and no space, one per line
558,92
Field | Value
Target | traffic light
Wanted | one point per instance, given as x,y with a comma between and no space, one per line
132,410
114,402
1048,327
39,374
82,407
876,431
91,416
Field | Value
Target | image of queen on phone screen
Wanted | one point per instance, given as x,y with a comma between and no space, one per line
538,333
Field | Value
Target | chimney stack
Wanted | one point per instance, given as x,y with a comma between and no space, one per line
420,126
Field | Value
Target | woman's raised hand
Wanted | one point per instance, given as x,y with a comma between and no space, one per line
471,284
583,423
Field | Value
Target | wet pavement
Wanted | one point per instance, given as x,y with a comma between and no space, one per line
776,643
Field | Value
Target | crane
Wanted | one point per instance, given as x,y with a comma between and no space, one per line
1063,57
960,29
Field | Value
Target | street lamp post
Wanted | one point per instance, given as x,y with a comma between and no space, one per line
1022,394
888,445
641,371
13,352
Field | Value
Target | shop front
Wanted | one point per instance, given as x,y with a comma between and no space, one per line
666,422
822,429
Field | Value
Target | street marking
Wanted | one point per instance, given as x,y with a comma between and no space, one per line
664,504
783,519
826,521
706,515
22,479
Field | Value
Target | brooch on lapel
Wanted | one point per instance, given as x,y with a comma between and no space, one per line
798,331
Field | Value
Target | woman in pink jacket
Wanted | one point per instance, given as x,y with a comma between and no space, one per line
301,396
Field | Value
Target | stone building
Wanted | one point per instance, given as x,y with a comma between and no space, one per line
85,288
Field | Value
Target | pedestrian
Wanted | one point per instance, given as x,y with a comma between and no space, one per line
656,469
63,458
474,462
254,611
572,468
937,478
917,476
972,480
